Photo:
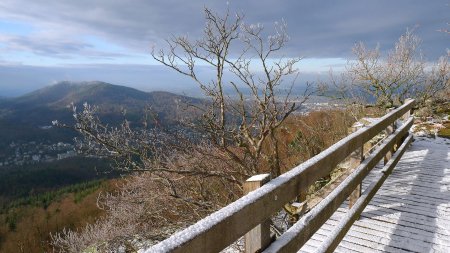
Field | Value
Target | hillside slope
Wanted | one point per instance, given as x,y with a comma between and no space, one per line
22,118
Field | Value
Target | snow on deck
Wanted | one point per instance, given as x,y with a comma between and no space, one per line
410,212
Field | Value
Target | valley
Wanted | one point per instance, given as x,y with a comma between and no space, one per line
45,182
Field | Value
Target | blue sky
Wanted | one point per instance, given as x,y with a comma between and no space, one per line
46,41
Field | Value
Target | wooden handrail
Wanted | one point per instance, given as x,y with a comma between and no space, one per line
223,227
300,232
333,239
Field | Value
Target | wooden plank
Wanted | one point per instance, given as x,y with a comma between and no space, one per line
389,130
298,234
330,244
408,220
207,235
388,230
354,196
259,237
355,160
405,117
407,114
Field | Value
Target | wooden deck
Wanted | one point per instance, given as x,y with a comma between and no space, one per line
410,212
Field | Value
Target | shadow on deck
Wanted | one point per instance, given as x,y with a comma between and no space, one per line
411,211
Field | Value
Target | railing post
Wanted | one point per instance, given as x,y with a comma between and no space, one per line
408,113
301,198
258,238
405,117
355,159
389,130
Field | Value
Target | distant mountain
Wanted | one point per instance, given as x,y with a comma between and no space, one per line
24,116
64,93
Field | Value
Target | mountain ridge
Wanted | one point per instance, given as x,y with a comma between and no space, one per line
25,115
68,92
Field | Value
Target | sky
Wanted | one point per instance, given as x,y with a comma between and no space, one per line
46,41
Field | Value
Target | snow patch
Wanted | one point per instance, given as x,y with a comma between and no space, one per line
257,178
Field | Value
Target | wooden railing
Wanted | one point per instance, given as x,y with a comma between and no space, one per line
251,212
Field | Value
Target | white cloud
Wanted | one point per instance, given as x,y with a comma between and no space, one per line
317,28
120,32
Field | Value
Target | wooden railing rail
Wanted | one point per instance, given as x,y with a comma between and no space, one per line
299,233
333,239
222,228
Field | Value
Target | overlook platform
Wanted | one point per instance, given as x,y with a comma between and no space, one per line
400,198
409,213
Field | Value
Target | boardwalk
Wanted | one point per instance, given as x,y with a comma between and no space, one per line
411,211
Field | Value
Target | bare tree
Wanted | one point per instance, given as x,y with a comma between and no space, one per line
239,124
436,83
403,72
248,102
389,79
140,211
165,154
340,87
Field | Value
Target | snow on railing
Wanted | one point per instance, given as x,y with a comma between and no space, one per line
225,226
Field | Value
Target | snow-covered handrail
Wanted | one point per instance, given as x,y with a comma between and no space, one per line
300,232
333,240
223,227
